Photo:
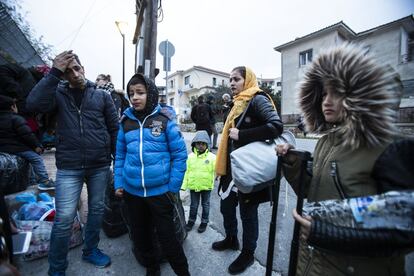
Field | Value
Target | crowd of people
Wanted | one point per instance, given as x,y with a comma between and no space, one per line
345,95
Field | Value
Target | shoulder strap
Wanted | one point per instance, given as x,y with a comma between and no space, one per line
244,113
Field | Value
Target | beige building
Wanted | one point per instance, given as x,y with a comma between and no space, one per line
391,43
274,84
198,80
193,82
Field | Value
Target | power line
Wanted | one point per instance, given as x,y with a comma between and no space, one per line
76,29
84,21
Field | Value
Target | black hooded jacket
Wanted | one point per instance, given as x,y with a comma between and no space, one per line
15,134
85,136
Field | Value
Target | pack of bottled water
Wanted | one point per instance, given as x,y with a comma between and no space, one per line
391,210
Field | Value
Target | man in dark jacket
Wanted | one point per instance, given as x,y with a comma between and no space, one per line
212,123
87,125
202,115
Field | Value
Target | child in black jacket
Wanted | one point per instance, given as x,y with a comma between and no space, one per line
17,138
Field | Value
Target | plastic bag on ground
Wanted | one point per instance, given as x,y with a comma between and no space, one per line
14,173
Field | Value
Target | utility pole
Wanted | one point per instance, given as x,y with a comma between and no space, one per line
150,38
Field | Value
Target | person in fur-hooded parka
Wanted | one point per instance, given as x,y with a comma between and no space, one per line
352,100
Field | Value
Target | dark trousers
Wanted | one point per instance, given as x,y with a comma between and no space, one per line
248,215
146,212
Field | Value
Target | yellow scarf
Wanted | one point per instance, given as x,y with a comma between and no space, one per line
240,101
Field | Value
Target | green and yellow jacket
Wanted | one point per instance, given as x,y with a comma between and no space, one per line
200,171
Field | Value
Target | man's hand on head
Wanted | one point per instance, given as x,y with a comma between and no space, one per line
62,60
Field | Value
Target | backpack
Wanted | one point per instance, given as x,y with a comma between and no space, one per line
202,114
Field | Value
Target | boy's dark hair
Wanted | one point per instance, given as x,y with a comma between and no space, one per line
152,92
6,103
136,79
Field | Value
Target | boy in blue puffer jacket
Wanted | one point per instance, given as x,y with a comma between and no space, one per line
150,164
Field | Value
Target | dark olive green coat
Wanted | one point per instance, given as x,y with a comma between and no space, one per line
354,168
368,93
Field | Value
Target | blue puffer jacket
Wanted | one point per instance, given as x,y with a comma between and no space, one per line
150,155
85,137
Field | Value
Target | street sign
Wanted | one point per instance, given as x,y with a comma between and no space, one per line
166,49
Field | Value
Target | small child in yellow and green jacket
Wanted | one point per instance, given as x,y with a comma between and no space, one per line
199,178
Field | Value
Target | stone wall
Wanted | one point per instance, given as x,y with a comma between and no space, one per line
191,127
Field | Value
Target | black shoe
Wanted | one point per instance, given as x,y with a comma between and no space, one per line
189,226
153,271
228,243
202,228
243,261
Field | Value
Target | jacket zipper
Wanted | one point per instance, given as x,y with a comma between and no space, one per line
335,176
309,264
141,135
81,129
140,157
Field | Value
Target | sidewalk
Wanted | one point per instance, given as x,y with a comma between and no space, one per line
202,259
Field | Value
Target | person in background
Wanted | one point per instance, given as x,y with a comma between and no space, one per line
167,109
260,123
202,115
118,96
199,179
301,125
87,125
226,106
213,123
352,100
150,143
16,82
17,138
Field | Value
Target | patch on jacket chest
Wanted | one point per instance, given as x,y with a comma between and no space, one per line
156,128
206,162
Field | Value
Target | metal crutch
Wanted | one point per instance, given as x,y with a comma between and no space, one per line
304,156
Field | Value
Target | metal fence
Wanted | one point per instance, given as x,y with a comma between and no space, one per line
14,46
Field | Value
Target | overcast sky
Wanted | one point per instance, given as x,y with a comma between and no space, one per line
218,34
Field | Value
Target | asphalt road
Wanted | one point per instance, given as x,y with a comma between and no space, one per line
284,229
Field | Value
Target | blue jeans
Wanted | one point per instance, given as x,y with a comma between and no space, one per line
68,189
205,203
37,164
248,215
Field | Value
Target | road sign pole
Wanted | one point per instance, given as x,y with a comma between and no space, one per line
166,68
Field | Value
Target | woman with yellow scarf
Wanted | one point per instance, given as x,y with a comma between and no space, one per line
260,123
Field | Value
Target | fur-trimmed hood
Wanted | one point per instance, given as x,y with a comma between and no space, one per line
370,96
